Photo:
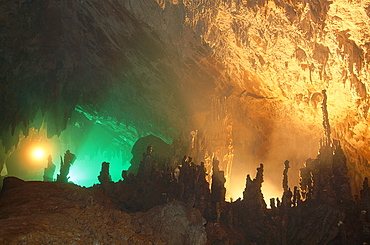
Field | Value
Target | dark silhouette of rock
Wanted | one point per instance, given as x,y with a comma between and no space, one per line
341,182
146,165
175,210
161,151
65,165
49,170
104,176
218,189
252,195
306,182
325,122
167,205
365,200
287,194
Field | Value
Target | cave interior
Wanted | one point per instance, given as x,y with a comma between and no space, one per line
184,122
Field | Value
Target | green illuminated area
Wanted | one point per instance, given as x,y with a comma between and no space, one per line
91,138
94,95
99,145
84,171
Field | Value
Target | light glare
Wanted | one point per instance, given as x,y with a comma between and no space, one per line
38,153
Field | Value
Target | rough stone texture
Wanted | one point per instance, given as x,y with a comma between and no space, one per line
177,224
157,66
57,213
275,58
320,228
160,207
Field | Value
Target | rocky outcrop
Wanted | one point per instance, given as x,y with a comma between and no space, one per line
178,206
161,151
177,224
55,213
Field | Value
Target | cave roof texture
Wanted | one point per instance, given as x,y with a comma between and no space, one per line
253,69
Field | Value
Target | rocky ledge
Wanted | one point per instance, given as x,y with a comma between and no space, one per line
63,213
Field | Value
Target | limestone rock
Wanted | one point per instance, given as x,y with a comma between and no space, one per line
177,223
56,213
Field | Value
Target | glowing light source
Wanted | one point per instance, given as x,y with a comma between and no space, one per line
38,153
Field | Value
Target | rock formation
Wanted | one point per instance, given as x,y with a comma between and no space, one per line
240,81
65,165
157,207
49,170
54,213
228,70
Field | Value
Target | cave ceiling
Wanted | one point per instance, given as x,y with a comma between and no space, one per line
246,76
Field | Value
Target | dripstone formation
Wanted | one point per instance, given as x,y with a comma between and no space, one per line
65,165
175,204
320,211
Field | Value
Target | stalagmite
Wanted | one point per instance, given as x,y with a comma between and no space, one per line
240,76
218,189
325,121
341,182
253,200
65,165
49,170
104,176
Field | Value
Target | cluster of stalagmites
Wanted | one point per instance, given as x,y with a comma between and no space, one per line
320,211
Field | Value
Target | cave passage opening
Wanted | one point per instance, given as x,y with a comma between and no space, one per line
91,141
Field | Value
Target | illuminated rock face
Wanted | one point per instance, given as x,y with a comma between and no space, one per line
247,75
276,58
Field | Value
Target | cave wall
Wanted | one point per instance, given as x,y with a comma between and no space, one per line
275,58
158,67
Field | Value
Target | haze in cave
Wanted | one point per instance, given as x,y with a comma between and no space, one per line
222,85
